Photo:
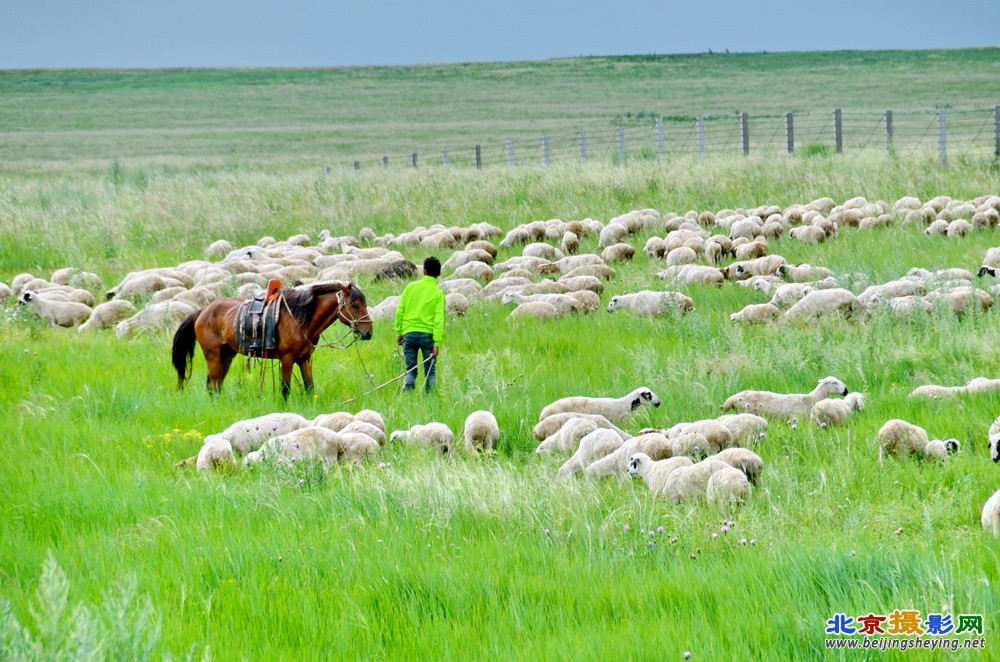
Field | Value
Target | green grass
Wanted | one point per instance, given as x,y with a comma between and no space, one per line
435,558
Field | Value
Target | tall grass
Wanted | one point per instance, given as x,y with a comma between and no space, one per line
491,557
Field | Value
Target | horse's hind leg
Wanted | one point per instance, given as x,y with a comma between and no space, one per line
219,362
306,368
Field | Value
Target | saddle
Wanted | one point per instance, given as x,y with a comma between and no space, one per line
257,321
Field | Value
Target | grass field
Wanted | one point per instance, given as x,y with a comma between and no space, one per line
462,557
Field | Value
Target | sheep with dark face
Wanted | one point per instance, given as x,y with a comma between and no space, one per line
613,409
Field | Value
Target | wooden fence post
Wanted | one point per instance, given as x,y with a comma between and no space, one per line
790,132
510,153
545,150
357,165
385,162
745,130
996,119
659,137
414,159
583,146
942,137
444,156
621,145
479,157
888,130
699,130
838,131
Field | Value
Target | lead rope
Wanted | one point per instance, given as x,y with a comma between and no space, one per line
381,386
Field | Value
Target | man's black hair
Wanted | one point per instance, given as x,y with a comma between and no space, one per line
432,267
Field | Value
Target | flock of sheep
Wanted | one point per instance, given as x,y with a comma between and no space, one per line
546,281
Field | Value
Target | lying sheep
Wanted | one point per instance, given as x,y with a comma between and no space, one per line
649,302
550,425
743,459
109,314
727,488
990,518
756,313
56,313
593,447
768,403
433,435
835,412
613,409
655,445
481,432
656,473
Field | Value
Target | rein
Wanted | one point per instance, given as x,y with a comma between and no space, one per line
351,322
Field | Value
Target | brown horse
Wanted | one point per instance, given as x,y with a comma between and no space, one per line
305,313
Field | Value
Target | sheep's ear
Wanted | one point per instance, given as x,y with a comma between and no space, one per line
636,403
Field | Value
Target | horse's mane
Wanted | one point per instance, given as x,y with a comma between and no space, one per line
302,302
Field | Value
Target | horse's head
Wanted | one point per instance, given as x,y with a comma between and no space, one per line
354,311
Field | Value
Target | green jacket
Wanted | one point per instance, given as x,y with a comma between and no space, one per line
421,309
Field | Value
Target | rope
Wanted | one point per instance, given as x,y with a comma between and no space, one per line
381,386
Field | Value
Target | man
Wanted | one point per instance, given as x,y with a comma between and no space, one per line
420,324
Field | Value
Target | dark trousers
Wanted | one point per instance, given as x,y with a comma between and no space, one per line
424,342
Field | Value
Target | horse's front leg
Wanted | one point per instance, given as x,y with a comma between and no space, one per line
287,363
306,368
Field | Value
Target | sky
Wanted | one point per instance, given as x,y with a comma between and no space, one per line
320,33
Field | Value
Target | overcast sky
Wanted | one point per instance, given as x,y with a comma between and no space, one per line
316,33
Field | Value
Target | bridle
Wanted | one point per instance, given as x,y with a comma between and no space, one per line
342,309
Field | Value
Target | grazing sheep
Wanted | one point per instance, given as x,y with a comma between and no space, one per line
575,283
544,251
612,233
681,255
692,274
823,302
336,421
716,435
589,301
568,437
655,248
991,514
535,309
727,488
649,302
689,483
108,314
961,299
958,228
745,460
810,234
744,429
768,403
363,427
250,434
592,447
551,425
897,437
835,412
216,453
935,392
655,473
762,266
690,444
563,303
789,294
56,313
570,243
155,316
218,250
618,253
939,450
655,445
433,435
372,418
755,249
475,270
613,409
5,292
455,304
756,313
309,443
481,432
595,270
993,438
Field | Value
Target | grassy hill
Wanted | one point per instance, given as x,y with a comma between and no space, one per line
318,117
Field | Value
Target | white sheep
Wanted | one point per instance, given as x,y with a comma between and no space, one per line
727,488
835,412
589,301
371,417
993,438
823,302
789,294
570,243
744,429
656,473
153,317
991,515
654,444
336,421
692,274
768,403
613,409
689,483
592,447
715,434
304,444
940,450
649,302
551,425
567,438
535,309
363,427
216,453
250,434
56,313
575,283
481,432
681,255
690,444
563,303
108,314
621,252
455,304
756,313
433,435
897,437
743,459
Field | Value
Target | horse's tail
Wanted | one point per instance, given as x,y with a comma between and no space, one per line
183,349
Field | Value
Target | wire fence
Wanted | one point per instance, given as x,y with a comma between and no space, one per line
943,134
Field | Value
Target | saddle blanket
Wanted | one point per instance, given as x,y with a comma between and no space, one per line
257,324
